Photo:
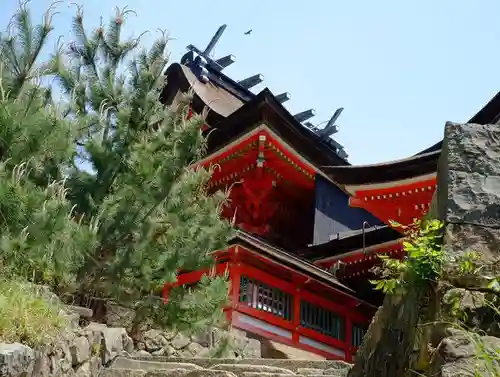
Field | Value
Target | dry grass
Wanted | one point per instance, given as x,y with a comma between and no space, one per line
26,316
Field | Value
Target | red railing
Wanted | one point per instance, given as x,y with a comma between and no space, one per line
280,303
283,305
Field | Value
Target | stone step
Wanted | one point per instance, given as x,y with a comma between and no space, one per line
240,369
291,364
147,365
111,372
309,371
266,374
123,372
119,372
337,372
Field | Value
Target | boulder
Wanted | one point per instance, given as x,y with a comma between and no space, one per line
16,359
61,358
80,350
119,316
80,310
154,340
469,189
477,308
464,354
113,343
180,341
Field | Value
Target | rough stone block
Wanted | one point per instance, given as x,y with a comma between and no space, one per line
80,350
112,343
154,340
180,341
119,316
469,188
457,355
16,359
80,310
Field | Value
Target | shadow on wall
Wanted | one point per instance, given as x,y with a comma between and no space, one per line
333,214
270,349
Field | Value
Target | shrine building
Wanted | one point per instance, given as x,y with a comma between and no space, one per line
310,226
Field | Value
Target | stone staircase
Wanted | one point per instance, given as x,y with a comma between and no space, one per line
204,367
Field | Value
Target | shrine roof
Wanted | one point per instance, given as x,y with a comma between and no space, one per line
420,164
283,257
397,170
349,241
264,108
236,111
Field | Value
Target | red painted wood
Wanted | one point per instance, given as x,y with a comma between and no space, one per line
195,276
328,340
234,277
265,316
237,262
273,281
387,206
348,339
356,258
281,339
296,315
294,279
430,182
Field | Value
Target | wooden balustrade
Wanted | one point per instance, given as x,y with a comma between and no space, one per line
281,310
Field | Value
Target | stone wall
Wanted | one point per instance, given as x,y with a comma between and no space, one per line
84,351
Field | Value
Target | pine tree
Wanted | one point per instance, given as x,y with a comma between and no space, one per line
39,239
154,215
126,227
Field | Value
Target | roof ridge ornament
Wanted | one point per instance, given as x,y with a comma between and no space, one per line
204,57
199,60
326,132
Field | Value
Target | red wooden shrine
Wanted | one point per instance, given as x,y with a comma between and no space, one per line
277,302
271,187
264,177
282,287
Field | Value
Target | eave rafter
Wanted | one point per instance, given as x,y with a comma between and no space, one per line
359,262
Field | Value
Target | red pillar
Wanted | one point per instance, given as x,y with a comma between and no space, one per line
348,338
296,316
234,279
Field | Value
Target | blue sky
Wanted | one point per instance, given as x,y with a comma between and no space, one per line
401,69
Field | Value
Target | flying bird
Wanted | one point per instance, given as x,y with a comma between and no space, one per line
248,32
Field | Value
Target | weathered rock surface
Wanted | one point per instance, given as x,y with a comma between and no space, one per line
462,354
469,189
16,359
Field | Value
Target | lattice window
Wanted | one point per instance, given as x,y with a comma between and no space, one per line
321,320
358,333
263,297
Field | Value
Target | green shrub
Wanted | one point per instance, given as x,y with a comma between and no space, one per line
26,316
